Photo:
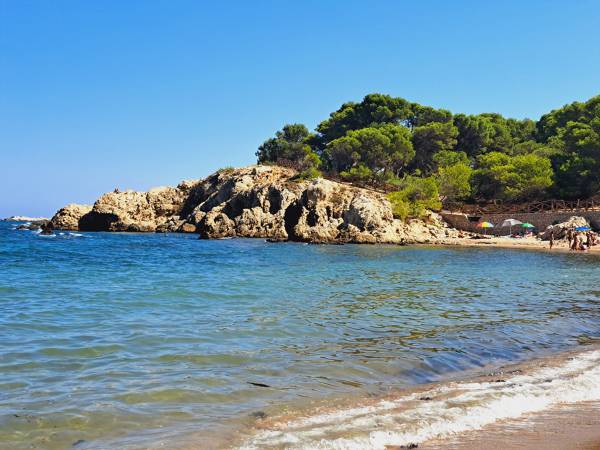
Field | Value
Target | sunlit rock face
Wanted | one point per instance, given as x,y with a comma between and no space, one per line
256,201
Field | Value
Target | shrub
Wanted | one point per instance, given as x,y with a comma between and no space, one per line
308,174
416,196
400,207
359,173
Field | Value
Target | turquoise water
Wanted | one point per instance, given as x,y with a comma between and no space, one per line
129,340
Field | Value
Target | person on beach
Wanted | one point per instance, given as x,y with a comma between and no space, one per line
574,241
570,237
551,243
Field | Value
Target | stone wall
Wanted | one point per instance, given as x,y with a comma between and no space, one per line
541,220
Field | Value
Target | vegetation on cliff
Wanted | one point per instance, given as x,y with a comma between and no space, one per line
431,153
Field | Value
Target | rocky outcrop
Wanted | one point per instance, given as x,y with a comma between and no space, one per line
560,229
34,225
155,210
260,201
68,218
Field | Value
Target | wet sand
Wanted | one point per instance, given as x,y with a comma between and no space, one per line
570,421
571,427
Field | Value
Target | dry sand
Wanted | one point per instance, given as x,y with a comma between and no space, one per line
523,243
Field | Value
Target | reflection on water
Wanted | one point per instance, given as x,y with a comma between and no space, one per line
108,336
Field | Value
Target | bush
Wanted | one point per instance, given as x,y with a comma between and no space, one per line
454,182
308,174
400,207
519,177
360,173
416,196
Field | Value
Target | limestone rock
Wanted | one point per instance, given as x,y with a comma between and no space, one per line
261,202
560,229
187,228
216,225
155,210
68,218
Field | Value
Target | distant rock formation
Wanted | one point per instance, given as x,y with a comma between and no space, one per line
24,219
257,201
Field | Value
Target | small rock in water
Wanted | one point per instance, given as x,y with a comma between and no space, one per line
258,384
76,443
425,398
259,415
401,447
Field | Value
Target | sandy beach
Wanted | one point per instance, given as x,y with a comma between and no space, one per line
522,243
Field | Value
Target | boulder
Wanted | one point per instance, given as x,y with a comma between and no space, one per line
68,218
560,229
187,228
34,225
216,225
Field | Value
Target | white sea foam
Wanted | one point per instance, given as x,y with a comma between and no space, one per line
453,408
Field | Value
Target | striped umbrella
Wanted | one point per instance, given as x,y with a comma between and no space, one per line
485,226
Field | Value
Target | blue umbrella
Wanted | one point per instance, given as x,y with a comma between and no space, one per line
586,228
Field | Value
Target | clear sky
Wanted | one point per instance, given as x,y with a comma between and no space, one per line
133,94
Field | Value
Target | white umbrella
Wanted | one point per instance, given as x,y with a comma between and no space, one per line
510,223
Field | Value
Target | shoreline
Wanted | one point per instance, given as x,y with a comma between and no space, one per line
560,246
550,420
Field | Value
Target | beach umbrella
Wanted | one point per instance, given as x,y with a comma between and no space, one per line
510,223
585,228
485,226
527,225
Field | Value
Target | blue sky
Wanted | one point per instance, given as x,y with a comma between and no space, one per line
134,94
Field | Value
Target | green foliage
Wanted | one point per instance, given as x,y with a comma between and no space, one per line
574,132
289,144
384,139
400,206
551,124
374,109
512,178
447,158
415,197
423,115
360,173
430,139
521,130
454,181
535,148
474,134
310,173
382,148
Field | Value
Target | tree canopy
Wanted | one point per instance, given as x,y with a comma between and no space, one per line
477,157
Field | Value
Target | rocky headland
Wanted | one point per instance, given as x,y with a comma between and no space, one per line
257,201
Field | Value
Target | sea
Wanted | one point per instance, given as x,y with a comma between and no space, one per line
136,341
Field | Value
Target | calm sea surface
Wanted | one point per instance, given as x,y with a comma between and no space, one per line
129,340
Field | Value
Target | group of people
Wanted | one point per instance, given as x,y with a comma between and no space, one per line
578,240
